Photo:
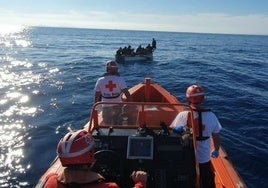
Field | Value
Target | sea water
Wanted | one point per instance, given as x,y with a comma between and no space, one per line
47,78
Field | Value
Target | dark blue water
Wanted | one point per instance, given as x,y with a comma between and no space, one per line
47,76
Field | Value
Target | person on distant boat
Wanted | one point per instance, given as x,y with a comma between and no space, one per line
129,50
119,51
76,153
109,88
139,50
149,49
124,51
206,125
154,44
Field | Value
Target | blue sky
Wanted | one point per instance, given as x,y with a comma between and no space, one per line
205,16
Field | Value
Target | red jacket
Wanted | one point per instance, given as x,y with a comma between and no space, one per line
52,182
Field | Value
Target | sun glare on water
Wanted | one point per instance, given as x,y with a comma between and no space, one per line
6,29
16,81
13,35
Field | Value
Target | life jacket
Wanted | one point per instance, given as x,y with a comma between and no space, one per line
198,125
66,181
52,182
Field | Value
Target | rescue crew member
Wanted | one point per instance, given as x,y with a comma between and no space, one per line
109,88
206,125
76,153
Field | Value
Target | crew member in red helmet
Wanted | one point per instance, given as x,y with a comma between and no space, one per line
76,153
206,125
109,88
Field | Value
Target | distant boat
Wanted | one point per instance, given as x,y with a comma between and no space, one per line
128,54
134,57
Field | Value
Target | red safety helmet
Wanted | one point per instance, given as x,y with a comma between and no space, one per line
76,147
111,67
195,94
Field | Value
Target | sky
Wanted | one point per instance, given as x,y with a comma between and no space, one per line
198,16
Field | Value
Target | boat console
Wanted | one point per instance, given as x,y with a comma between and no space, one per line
167,157
140,138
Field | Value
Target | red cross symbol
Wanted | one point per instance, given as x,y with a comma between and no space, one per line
110,85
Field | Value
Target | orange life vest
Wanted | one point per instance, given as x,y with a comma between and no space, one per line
52,182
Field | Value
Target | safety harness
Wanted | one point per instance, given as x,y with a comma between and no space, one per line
200,136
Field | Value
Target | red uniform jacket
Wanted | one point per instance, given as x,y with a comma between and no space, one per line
52,182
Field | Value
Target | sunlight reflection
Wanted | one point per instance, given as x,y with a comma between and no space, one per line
15,110
28,111
42,64
21,81
13,35
55,70
8,77
21,63
12,155
11,143
22,43
17,78
6,29
7,43
35,92
13,95
3,101
24,99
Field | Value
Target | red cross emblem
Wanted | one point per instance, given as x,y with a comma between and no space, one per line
110,85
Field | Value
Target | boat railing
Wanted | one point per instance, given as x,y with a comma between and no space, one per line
133,114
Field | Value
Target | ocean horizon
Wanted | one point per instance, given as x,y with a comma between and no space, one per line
47,88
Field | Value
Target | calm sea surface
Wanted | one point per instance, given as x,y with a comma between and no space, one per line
47,77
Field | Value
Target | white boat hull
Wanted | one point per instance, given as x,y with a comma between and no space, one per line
134,58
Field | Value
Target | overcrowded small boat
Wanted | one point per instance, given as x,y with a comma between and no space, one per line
140,137
129,54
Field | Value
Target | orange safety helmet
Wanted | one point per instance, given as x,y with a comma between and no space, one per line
76,147
111,67
195,94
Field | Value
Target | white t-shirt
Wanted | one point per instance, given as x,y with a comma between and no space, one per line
211,125
110,88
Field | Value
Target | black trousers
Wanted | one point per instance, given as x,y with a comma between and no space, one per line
206,175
